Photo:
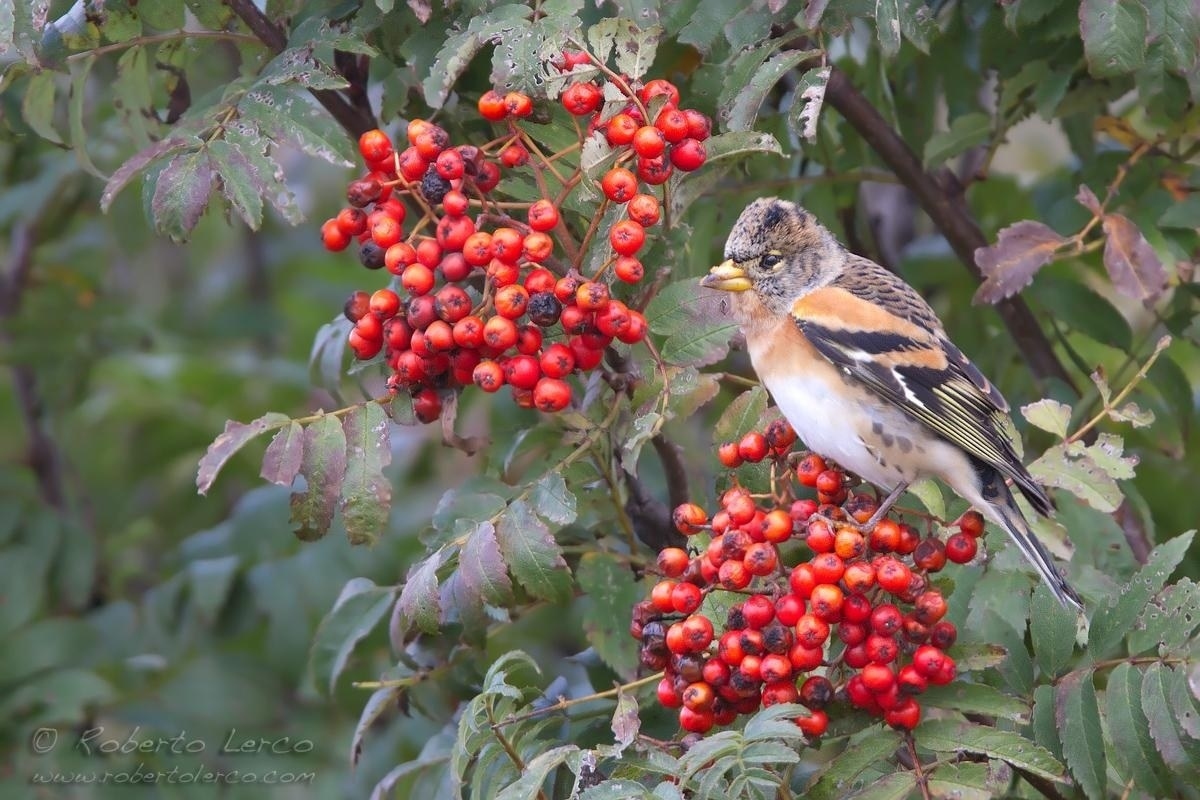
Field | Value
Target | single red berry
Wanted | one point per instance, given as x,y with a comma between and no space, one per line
620,130
626,237
581,99
961,548
905,715
427,405
688,518
809,469
619,185
930,555
729,454
648,141
659,86
943,634
688,155
753,447
491,106
357,306
971,523
686,597
628,269
813,725
654,171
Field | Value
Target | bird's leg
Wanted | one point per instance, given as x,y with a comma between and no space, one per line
884,508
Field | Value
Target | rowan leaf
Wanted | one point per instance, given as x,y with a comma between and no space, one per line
743,415
358,609
233,439
418,604
694,331
281,462
482,567
1133,748
1114,36
1079,474
240,181
809,98
288,117
1049,415
887,26
950,736
181,193
366,496
966,131
611,591
1009,265
1077,716
323,468
552,500
1156,703
532,553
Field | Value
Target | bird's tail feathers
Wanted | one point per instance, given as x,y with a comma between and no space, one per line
1010,517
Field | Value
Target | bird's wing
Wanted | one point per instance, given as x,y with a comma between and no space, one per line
878,330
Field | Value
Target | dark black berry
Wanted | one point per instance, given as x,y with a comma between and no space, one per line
543,309
434,186
371,255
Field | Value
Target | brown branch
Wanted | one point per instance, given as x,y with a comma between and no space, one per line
940,195
355,118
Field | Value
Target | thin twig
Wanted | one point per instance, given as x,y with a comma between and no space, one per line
564,703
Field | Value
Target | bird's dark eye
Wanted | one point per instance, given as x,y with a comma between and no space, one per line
771,260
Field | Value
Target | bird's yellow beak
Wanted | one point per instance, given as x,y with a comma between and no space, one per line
728,277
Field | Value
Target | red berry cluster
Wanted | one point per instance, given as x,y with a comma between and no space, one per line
481,296
854,620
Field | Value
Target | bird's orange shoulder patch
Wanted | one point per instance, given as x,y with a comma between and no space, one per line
836,308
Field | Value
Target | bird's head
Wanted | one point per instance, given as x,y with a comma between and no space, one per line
779,252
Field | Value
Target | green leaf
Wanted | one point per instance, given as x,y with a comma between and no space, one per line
1110,624
44,645
634,48
970,781
234,438
1082,309
378,704
1156,703
281,462
418,604
863,750
644,428
1042,724
209,583
297,65
162,14
37,106
1049,415
460,48
949,736
693,334
552,500
240,181
930,495
466,502
289,118
809,98
181,194
976,698
896,786
358,609
1052,630
965,132
133,95
1077,715
1133,749
1114,36
532,553
743,415
1169,620
887,26
75,115
611,592
64,697
1185,214
136,164
536,771
917,24
323,467
482,568
739,114
265,176
366,497
1080,475
120,22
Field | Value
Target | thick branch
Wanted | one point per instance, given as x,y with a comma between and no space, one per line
940,195
355,118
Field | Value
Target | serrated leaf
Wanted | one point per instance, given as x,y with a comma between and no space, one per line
611,592
634,48
483,570
552,500
1107,453
644,428
1049,415
805,112
536,771
37,106
1009,265
138,162
625,721
1110,624
743,415
966,131
742,109
419,604
358,609
970,781
1041,723
233,439
454,56
1135,269
1052,630
289,118
1081,309
1114,36
840,774
1180,699
1134,414
466,503
240,181
930,495
1156,704
949,736
1079,475
693,332
1169,620
297,65
976,698
366,497
267,173
281,462
323,467
378,704
895,786
181,194
532,553
1133,749
1077,716
887,26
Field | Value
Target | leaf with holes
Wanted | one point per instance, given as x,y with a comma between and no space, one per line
532,554
1169,620
289,118
366,496
281,462
323,467
233,439
1156,703
1114,36
1133,748
1135,269
742,109
181,193
1009,265
887,26
460,48
241,183
634,48
1079,475
806,106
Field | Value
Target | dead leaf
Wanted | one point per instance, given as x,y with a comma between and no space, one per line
1087,199
1135,269
1010,264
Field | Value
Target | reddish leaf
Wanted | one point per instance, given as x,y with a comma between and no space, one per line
1010,264
418,604
233,439
532,553
482,568
1134,267
135,164
323,466
281,462
366,496
181,193
1087,198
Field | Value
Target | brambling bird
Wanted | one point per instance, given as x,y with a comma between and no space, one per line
863,370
